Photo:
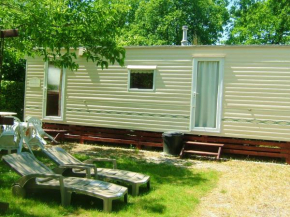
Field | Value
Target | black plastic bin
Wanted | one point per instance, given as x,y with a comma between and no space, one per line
172,142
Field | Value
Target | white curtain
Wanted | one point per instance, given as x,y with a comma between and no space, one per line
207,93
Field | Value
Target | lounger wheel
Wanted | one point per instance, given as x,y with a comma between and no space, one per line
18,191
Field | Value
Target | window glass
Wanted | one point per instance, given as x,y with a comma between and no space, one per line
53,96
141,79
53,78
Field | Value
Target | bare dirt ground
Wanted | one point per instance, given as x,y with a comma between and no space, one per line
245,188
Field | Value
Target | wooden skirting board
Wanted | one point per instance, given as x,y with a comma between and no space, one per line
249,147
118,136
140,139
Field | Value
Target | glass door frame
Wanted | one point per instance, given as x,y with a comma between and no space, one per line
192,127
62,101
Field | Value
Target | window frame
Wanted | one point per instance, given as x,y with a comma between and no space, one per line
141,67
217,129
62,103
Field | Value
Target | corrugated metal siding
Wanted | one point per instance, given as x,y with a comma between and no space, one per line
100,97
256,98
34,95
257,94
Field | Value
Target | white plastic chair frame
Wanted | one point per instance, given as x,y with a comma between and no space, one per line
34,134
37,125
11,136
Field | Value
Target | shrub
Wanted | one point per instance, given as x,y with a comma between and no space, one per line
12,97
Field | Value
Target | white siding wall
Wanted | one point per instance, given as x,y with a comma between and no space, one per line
257,93
34,95
256,99
100,97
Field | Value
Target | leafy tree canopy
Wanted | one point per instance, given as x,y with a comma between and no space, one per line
260,22
13,66
55,29
159,22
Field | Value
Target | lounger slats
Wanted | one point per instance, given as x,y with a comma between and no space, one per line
61,157
122,175
25,164
89,187
30,168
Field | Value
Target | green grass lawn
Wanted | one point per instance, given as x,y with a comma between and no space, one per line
175,191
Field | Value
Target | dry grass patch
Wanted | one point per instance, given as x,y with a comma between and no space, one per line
249,189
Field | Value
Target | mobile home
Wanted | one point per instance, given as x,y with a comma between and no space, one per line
221,91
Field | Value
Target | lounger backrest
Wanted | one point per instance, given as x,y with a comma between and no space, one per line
60,156
37,124
37,131
25,164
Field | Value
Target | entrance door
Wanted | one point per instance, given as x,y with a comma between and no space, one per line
53,92
206,95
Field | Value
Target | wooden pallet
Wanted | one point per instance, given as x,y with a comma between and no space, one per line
201,148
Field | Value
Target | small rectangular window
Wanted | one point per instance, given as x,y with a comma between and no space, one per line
141,77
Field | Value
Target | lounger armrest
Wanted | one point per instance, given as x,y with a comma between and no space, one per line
92,160
65,196
86,167
24,179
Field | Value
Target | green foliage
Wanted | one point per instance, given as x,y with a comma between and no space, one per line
260,22
55,29
12,84
13,66
159,22
12,97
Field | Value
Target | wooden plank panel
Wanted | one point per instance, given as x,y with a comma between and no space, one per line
268,136
225,140
254,153
253,148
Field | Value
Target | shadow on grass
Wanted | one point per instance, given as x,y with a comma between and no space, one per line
52,198
24,207
160,173
154,206
166,182
163,173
